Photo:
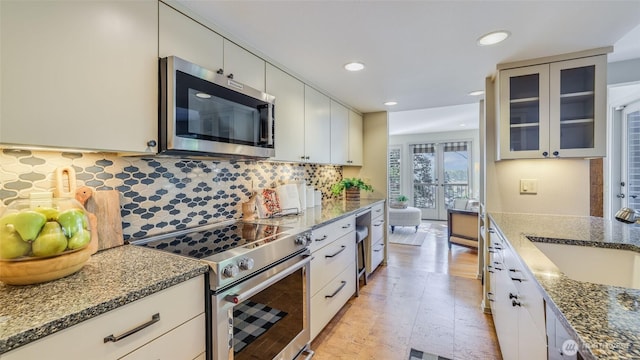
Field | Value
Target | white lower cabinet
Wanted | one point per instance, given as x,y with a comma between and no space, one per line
180,312
165,347
517,305
376,244
333,271
331,298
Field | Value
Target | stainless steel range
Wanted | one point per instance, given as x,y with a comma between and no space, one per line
259,286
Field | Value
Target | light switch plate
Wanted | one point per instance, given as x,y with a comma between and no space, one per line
529,186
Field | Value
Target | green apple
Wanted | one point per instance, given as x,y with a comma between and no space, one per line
51,240
50,213
11,244
72,221
80,239
28,224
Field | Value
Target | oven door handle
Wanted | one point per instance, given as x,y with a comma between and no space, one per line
238,298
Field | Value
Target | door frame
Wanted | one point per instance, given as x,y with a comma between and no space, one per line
612,163
440,212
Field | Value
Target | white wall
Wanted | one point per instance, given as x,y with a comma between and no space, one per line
465,135
374,169
563,186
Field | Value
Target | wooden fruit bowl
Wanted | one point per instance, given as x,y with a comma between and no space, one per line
36,271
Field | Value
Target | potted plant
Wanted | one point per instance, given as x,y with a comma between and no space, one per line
401,202
351,188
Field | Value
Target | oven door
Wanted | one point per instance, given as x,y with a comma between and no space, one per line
265,316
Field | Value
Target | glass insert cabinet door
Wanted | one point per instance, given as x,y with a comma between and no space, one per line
524,111
578,107
554,110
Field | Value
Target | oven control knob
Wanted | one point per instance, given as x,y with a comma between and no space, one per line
246,264
302,239
230,271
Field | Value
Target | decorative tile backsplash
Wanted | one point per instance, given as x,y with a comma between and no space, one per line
159,194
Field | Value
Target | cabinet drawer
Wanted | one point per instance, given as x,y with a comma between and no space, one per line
188,335
176,305
330,299
377,210
377,254
332,259
324,235
377,229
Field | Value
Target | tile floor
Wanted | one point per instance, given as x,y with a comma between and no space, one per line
426,297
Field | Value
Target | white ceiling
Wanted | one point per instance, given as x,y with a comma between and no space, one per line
422,54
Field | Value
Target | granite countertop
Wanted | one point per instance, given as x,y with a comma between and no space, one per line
329,211
605,320
118,276
110,279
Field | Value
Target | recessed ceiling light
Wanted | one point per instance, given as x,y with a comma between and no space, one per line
493,37
354,66
202,95
477,93
391,103
463,125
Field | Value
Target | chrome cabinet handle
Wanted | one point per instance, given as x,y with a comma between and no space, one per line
113,338
344,283
339,251
322,238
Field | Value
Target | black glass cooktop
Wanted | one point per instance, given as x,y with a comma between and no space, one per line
208,241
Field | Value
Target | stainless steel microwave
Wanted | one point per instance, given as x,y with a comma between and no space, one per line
204,113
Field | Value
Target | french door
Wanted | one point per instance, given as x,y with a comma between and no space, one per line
440,176
630,166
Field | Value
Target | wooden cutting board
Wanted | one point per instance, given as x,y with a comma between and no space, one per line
105,204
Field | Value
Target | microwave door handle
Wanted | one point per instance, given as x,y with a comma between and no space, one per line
266,125
271,115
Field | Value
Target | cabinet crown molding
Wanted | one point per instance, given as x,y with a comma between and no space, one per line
555,58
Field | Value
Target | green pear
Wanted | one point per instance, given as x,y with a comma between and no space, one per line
50,213
72,221
28,224
51,240
6,222
11,244
79,240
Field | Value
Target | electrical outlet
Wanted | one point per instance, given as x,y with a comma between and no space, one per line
529,186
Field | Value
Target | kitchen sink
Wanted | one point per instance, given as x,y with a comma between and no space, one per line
594,264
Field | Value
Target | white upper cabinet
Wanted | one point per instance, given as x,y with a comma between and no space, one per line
317,130
243,66
79,74
182,37
186,38
289,115
346,136
557,109
339,134
355,138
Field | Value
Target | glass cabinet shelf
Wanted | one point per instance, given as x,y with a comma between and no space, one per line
584,94
525,125
524,100
576,121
